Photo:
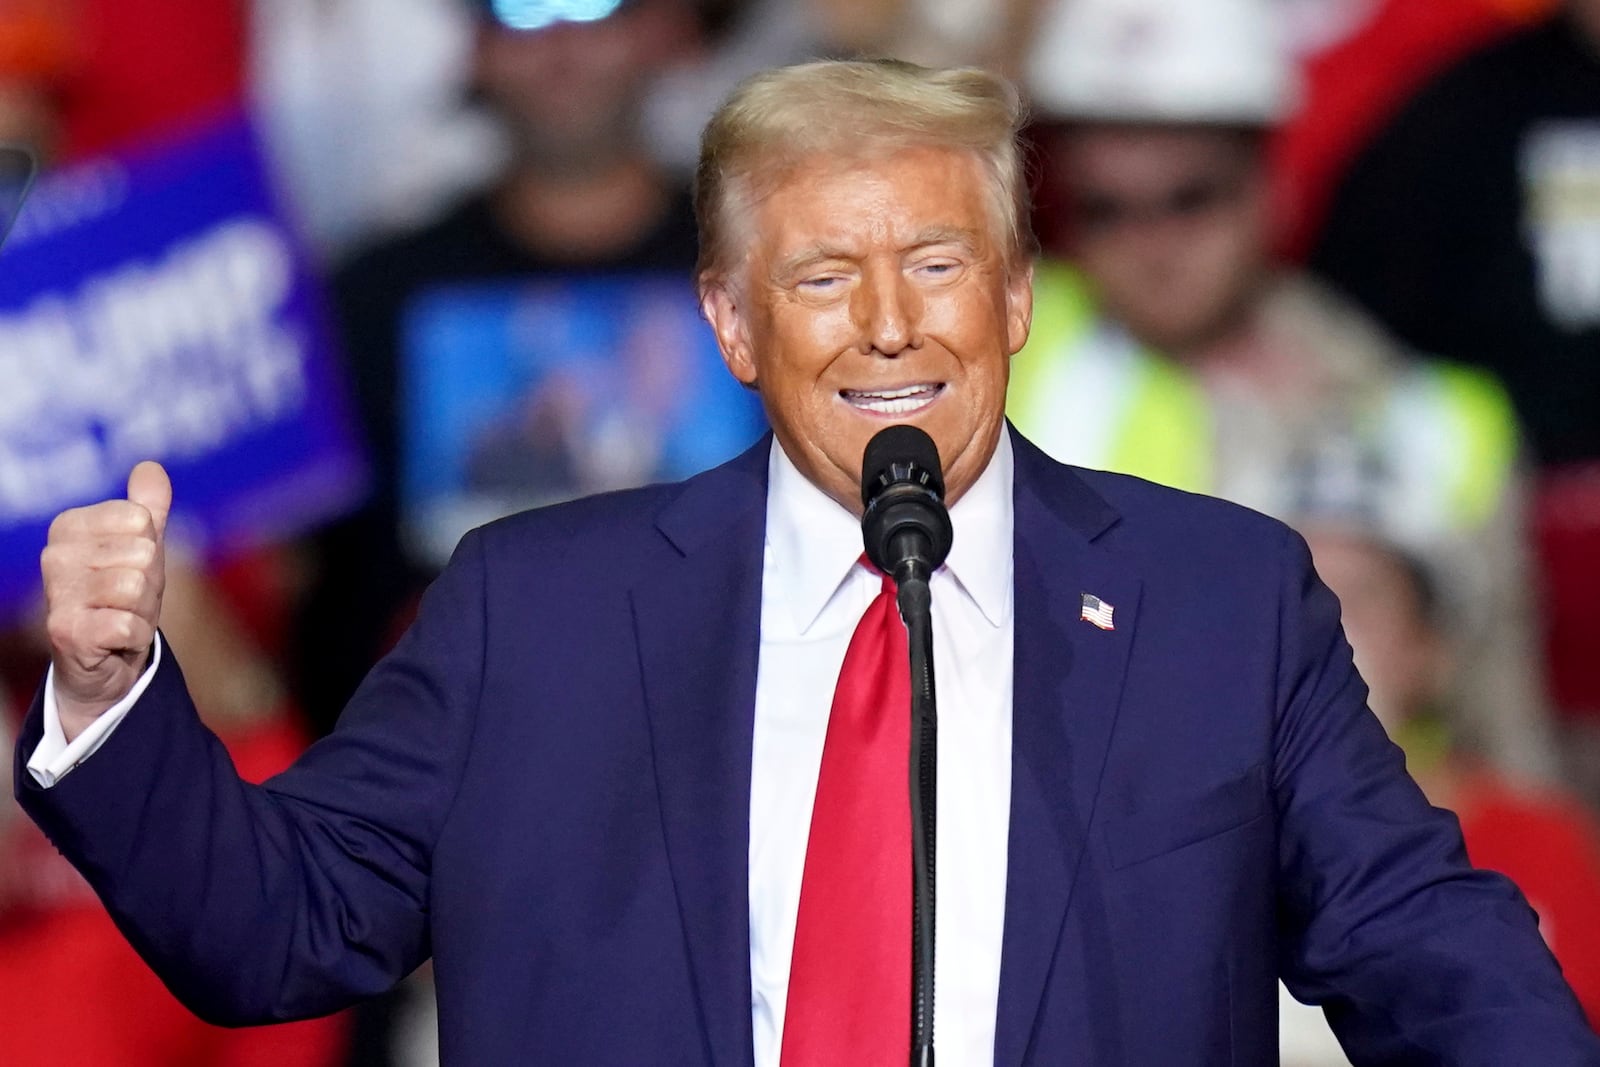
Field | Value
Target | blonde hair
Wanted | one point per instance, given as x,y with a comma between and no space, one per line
855,110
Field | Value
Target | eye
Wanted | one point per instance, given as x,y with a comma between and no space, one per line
820,283
938,268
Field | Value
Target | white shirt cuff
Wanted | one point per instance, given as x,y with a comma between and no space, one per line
54,759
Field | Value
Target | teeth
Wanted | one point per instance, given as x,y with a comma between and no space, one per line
892,401
889,394
903,406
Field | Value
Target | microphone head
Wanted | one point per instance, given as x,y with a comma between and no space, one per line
902,494
900,445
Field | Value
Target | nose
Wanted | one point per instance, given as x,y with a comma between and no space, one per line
888,311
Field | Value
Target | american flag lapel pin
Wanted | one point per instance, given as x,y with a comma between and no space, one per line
1097,611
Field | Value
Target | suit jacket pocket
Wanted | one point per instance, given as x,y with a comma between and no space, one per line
1170,824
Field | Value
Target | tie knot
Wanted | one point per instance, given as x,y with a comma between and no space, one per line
888,580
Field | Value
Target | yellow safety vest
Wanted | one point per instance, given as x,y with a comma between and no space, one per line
1090,395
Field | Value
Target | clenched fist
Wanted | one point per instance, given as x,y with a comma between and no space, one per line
104,573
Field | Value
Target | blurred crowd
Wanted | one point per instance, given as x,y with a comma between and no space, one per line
1337,260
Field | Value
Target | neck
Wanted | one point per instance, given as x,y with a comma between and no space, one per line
1233,347
1245,352
582,217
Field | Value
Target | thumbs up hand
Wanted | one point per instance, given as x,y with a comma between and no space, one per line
104,573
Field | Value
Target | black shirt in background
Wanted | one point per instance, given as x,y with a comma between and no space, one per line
363,583
1431,230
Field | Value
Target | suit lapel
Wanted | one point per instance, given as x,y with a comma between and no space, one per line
698,625
1067,686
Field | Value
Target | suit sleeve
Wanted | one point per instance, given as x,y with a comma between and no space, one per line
294,898
1416,956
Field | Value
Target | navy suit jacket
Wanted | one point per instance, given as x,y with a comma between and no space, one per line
546,788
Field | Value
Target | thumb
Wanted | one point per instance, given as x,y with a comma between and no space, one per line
149,486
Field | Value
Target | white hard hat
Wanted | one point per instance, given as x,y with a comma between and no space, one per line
1202,61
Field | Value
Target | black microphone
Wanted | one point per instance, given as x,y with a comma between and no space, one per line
905,527
906,530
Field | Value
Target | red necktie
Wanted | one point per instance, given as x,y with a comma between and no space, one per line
850,981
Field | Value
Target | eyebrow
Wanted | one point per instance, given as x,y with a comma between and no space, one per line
821,253
944,235
806,258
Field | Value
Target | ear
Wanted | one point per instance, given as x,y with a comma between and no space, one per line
1019,307
720,304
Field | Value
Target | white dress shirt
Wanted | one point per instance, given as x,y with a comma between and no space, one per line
814,592
52,758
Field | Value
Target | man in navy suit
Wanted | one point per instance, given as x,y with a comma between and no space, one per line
583,782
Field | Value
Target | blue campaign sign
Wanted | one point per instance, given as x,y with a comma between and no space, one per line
159,307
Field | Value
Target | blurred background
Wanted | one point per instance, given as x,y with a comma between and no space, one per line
366,273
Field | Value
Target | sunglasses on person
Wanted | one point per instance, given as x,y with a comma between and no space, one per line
542,14
1101,212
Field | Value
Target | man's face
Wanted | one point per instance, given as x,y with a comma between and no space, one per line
872,293
571,92
1171,226
1400,654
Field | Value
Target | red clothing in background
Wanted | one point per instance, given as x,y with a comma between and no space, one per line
83,994
1352,88
148,65
1566,531
1547,843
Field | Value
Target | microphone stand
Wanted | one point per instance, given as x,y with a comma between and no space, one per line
915,603
906,531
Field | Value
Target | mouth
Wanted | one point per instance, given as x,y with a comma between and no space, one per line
893,403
